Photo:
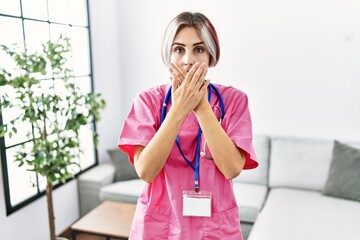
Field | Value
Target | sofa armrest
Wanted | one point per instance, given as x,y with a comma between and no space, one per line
89,184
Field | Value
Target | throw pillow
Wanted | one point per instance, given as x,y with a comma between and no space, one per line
124,170
344,175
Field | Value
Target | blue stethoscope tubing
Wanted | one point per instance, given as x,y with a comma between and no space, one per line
167,98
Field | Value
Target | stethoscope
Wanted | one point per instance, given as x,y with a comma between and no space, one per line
167,98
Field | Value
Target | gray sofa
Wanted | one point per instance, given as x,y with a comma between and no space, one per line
302,189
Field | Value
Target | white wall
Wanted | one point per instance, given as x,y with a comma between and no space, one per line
106,51
297,60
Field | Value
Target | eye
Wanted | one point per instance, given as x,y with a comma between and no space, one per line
199,50
178,50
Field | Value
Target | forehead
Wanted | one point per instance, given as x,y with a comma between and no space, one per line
187,36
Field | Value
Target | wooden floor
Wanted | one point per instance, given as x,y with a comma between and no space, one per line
91,237
82,236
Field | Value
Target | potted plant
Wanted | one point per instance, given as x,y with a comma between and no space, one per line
56,116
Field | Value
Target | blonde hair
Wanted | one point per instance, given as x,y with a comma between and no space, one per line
203,27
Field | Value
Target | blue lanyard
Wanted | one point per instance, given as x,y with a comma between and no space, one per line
198,139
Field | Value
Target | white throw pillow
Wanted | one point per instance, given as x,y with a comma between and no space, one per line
299,162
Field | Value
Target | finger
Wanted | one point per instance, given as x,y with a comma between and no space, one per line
181,70
181,75
176,80
199,76
202,76
204,85
175,75
171,75
190,75
174,84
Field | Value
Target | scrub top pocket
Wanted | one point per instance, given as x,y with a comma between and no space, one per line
152,222
222,224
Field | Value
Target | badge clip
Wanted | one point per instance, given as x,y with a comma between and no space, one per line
197,189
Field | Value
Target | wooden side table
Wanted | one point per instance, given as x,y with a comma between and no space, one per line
109,219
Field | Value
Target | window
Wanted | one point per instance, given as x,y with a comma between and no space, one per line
34,22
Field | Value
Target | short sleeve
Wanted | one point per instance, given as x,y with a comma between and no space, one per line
239,127
141,123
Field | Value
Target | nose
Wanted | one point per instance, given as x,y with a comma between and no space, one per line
188,60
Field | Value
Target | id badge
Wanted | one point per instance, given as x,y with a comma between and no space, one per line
197,204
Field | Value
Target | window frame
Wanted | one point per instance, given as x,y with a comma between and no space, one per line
3,148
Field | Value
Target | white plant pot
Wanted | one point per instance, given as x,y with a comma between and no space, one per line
61,238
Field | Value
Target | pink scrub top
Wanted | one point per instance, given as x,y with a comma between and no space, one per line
158,213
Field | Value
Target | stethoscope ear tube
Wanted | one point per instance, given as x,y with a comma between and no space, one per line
221,101
163,109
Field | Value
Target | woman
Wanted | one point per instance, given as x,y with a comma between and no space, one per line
188,140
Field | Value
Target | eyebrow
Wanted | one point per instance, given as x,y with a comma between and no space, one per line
181,44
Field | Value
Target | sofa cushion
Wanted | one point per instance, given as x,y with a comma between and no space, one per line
258,175
300,214
344,175
90,183
124,170
98,176
299,162
124,191
250,199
